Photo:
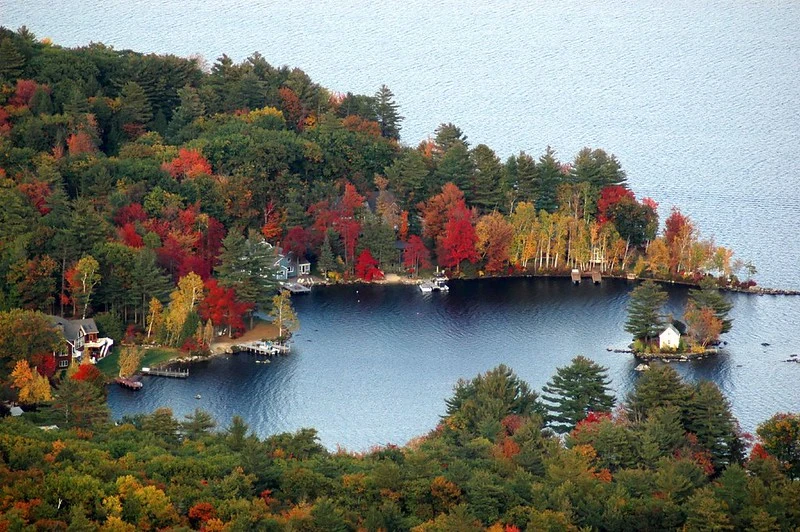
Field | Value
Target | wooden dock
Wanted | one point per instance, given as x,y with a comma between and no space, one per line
576,276
296,288
263,348
129,383
172,373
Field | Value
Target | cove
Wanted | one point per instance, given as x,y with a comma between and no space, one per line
373,364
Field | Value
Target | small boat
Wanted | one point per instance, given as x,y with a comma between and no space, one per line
437,284
198,396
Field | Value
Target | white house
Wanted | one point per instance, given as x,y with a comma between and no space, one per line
670,338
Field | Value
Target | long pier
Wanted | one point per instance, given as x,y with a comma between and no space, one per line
172,373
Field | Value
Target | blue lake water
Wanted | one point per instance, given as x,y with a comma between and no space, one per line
373,364
701,103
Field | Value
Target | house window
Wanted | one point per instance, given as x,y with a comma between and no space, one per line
63,363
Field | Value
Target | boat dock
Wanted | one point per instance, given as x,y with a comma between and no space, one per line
296,288
263,348
172,373
577,275
129,383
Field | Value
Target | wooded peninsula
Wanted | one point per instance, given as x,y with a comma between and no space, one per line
158,199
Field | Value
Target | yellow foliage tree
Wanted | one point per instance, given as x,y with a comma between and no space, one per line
283,314
129,360
155,318
33,388
181,302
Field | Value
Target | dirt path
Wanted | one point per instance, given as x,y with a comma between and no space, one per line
261,331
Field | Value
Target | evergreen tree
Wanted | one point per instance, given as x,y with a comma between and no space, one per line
80,404
597,168
248,266
708,296
456,167
658,387
11,61
548,179
447,136
386,112
574,391
327,260
709,418
408,177
198,424
644,311
379,238
134,106
478,406
486,178
190,108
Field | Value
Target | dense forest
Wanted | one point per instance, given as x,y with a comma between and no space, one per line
669,456
121,173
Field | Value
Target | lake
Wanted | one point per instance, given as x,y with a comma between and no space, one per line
373,364
700,102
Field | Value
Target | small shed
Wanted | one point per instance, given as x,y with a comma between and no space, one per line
670,338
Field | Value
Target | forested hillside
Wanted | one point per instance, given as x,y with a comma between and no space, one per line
671,457
136,170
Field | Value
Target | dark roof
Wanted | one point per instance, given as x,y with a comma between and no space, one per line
680,326
72,328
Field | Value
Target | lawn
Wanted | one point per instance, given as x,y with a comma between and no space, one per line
152,357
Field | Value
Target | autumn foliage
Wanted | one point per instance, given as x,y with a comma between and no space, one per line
188,165
367,267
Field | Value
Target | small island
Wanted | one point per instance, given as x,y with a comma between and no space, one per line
656,335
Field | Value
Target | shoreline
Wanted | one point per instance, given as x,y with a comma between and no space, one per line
397,279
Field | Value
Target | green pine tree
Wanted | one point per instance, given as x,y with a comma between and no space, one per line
386,111
644,311
327,260
658,387
11,61
574,391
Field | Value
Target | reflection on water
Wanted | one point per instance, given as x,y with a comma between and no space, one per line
373,364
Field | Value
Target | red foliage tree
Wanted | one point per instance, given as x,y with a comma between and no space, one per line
356,124
274,220
436,210
44,363
457,244
297,241
80,142
129,236
367,267
610,196
129,214
416,255
89,373
24,91
673,225
38,193
351,200
292,107
221,307
188,165
201,512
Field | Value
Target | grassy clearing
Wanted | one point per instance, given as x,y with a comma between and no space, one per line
152,357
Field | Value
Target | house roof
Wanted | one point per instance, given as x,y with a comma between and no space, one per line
680,326
72,328
672,328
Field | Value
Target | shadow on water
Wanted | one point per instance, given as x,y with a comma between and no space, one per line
373,364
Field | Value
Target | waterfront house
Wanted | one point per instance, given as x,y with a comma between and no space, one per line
670,338
82,338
